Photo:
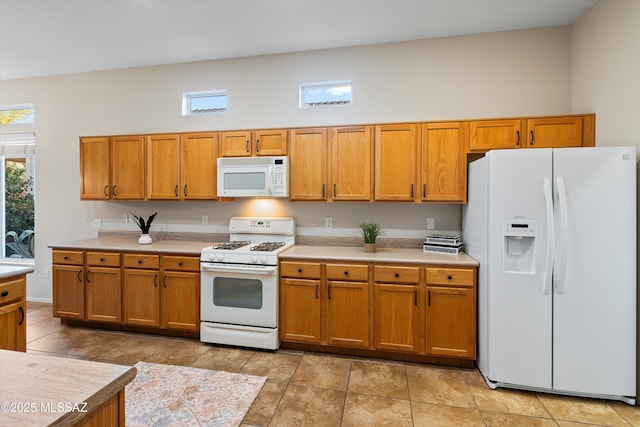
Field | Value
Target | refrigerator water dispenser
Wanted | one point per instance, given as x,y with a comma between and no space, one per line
519,245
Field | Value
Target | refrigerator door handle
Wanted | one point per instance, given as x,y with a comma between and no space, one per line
548,268
560,272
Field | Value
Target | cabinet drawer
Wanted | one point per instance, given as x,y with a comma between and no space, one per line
12,290
106,259
451,276
300,269
180,263
396,274
347,272
141,261
67,257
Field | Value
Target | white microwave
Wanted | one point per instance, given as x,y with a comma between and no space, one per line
253,176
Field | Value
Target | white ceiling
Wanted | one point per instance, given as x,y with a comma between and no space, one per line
46,37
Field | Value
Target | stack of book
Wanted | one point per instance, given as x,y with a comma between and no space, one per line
443,244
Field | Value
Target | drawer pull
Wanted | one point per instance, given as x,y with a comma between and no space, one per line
180,264
449,277
65,257
397,274
5,293
139,261
101,259
346,273
299,270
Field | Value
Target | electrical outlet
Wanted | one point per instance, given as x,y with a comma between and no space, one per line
45,273
205,219
97,223
431,223
328,222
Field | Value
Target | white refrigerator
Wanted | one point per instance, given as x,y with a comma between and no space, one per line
554,231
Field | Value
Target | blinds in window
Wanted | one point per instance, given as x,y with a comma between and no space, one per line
17,144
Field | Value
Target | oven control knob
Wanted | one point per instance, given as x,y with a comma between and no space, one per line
254,259
263,259
219,257
212,258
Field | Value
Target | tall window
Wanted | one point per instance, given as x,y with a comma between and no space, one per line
17,156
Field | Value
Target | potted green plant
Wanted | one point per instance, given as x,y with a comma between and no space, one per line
145,238
370,231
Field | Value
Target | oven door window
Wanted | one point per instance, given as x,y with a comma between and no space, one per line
237,293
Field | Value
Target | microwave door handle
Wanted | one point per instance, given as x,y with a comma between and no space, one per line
270,186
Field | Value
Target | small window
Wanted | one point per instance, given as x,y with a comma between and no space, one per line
325,94
194,103
17,114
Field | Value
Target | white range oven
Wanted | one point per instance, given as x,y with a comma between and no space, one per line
239,283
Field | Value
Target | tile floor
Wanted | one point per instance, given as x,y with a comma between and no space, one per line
310,389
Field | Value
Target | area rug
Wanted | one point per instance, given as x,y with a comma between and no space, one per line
167,395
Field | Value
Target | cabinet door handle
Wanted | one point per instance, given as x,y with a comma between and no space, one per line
21,316
334,190
105,190
164,281
87,277
429,298
316,291
184,190
155,280
415,298
5,293
79,275
114,191
412,191
247,146
257,145
533,138
424,191
175,190
517,137
323,191
329,291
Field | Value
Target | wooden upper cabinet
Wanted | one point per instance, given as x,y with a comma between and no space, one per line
271,142
534,132
95,182
163,167
198,156
128,155
308,164
492,134
552,132
444,163
351,166
396,149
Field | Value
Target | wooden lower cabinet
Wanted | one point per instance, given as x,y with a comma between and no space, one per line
103,293
300,310
400,308
180,293
397,317
13,314
141,297
451,306
138,289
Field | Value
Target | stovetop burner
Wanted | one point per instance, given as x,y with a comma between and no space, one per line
266,246
230,245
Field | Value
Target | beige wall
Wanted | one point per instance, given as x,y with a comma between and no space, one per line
490,75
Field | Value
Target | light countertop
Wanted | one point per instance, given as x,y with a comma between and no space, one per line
185,247
37,380
388,255
7,271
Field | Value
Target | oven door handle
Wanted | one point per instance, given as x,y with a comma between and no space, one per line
267,271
